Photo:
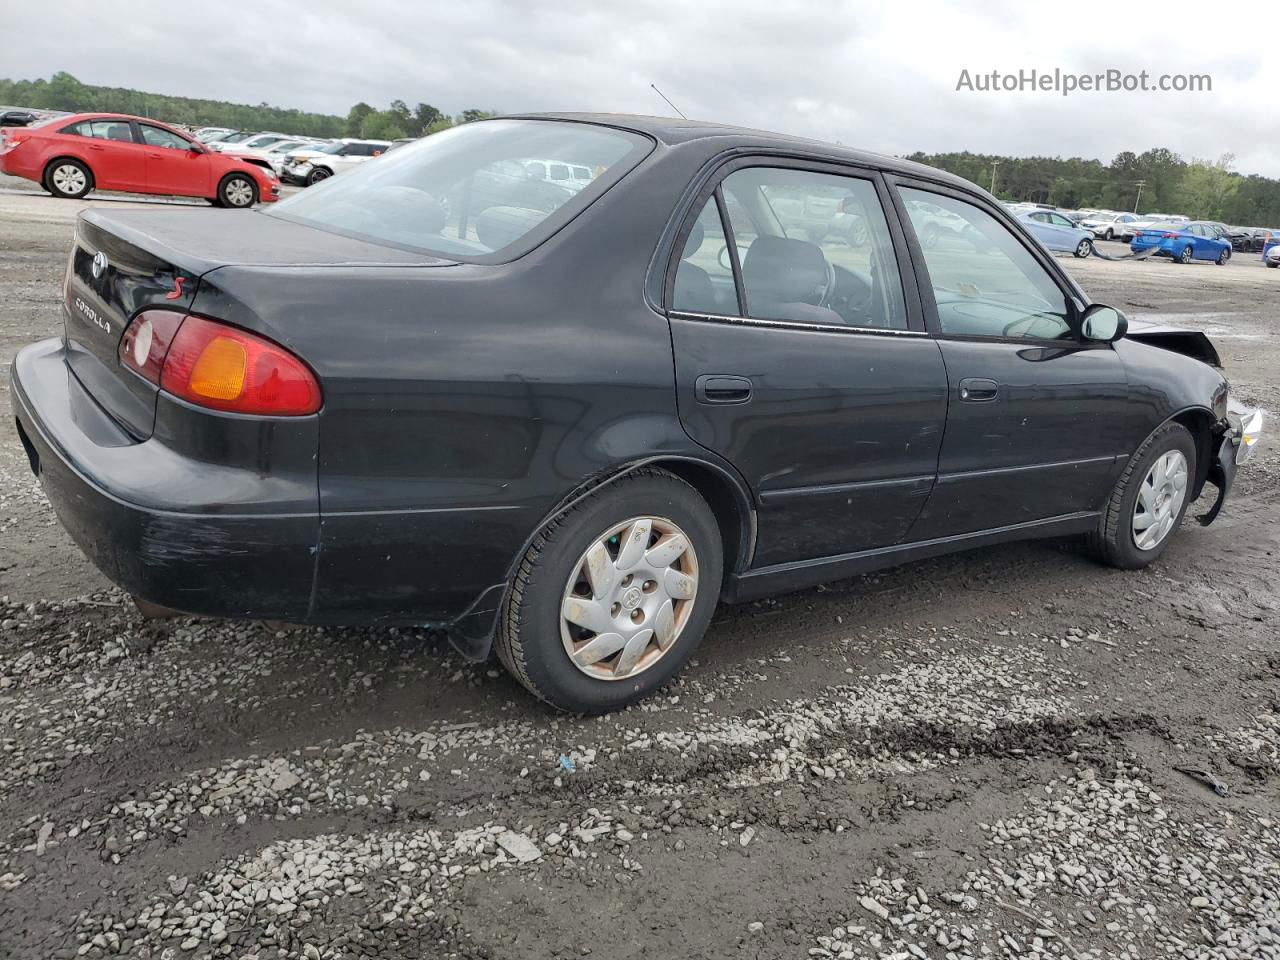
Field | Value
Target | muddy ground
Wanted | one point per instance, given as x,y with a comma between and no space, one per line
974,756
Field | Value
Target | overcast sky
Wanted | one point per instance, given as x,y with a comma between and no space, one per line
874,76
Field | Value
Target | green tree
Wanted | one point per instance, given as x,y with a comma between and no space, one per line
425,116
1207,188
382,125
356,117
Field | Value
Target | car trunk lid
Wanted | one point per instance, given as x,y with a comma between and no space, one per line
124,262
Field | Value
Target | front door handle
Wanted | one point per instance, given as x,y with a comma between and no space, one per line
721,388
978,390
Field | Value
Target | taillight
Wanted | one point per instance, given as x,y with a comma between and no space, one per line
1169,236
146,342
215,365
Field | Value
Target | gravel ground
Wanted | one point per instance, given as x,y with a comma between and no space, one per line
978,756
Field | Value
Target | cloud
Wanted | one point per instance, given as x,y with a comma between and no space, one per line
877,77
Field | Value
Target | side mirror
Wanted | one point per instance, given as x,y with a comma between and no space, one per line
195,148
1104,324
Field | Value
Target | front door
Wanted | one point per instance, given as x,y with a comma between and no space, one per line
1032,431
172,166
802,359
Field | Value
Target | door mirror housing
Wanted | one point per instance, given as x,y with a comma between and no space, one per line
195,148
1102,323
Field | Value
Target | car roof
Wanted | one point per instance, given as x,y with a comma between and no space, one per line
673,131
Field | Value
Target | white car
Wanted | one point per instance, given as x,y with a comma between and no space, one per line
205,134
311,166
249,143
279,147
1110,226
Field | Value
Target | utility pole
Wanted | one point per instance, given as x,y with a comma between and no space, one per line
994,164
1141,184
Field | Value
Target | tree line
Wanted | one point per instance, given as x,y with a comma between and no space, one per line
62,91
1155,181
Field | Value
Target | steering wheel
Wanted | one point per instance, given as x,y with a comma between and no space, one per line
828,288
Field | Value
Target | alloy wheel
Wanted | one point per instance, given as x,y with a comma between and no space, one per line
238,192
1083,249
628,598
1160,498
1186,255
68,178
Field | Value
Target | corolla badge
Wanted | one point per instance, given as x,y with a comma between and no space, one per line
99,264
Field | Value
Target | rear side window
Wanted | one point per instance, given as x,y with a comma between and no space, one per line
704,275
101,130
812,248
472,192
985,282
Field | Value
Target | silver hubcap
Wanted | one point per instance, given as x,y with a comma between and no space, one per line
239,193
1160,500
1083,249
628,598
68,179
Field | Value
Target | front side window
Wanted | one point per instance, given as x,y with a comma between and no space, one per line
469,192
159,137
814,248
985,282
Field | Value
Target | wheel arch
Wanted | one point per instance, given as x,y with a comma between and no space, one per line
257,188
1199,423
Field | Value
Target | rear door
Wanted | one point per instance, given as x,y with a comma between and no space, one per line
1037,417
172,166
801,356
115,158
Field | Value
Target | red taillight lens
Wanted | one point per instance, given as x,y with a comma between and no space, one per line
146,342
1169,236
219,366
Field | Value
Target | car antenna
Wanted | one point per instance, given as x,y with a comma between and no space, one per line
668,99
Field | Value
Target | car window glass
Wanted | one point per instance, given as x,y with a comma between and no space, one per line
157,137
1059,220
558,171
814,248
1042,217
985,282
101,130
704,275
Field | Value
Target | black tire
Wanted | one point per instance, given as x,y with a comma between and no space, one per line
317,174
53,178
1271,263
1223,257
231,191
528,641
1187,254
1084,248
1112,543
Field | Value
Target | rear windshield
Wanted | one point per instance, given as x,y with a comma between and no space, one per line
483,191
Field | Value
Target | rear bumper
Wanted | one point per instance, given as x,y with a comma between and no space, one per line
135,508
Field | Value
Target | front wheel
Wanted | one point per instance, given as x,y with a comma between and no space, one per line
1223,257
237,190
1272,263
613,596
1149,500
1108,234
1186,255
316,175
69,179
1084,248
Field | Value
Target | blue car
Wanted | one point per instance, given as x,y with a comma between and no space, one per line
1057,232
1184,242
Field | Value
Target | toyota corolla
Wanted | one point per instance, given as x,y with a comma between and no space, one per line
447,390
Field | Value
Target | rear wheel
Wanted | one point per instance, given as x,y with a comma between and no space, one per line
613,596
1084,248
237,190
1186,254
69,179
1149,501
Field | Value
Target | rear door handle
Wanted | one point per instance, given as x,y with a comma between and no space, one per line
721,388
155,156
978,390
94,146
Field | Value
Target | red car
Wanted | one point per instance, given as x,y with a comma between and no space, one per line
69,156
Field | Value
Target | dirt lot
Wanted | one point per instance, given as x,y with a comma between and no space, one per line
976,756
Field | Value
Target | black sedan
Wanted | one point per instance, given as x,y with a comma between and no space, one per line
564,415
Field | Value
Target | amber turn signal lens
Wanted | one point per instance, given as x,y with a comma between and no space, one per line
219,370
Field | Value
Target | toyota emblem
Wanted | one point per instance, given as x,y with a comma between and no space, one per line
99,264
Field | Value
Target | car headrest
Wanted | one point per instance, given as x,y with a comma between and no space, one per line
694,241
498,226
783,270
119,131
